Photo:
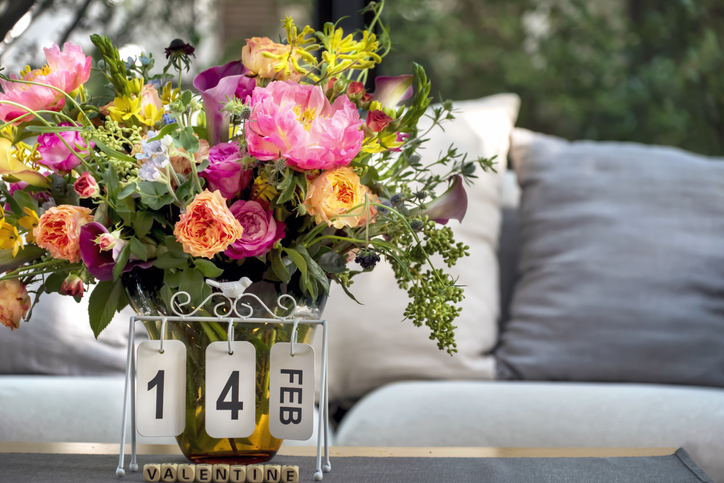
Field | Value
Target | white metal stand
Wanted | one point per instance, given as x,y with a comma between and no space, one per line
231,295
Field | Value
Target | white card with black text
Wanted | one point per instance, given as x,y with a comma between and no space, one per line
161,390
291,391
230,389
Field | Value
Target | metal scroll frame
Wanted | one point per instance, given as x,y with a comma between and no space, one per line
233,299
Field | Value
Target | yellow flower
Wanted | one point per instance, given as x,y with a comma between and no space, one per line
30,223
124,108
10,239
134,85
168,95
151,115
9,164
335,193
2,215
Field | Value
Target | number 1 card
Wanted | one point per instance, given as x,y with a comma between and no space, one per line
230,389
161,390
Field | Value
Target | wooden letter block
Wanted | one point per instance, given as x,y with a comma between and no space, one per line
186,473
152,472
290,474
237,474
255,473
169,471
204,473
221,473
272,473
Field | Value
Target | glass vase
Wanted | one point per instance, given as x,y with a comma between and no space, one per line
143,288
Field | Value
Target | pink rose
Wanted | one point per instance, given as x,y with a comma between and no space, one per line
72,285
55,154
86,186
261,230
377,120
355,89
225,172
106,241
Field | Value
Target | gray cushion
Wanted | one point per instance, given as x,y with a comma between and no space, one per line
621,269
534,414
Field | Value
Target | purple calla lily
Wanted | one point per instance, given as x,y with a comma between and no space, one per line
452,204
390,91
216,85
100,263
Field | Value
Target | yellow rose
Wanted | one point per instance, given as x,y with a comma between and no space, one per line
336,192
252,57
14,303
58,231
207,227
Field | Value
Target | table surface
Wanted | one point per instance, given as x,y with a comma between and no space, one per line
342,451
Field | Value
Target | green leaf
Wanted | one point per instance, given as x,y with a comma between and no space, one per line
121,261
174,247
172,278
167,260
27,254
314,269
192,281
142,223
155,195
287,188
127,190
111,180
14,206
101,214
207,268
298,260
167,129
63,192
46,129
103,303
184,191
138,249
278,267
25,200
55,281
332,262
186,97
186,139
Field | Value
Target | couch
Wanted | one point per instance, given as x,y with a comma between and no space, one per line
389,384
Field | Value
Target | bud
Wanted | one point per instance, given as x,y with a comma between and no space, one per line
367,258
355,89
72,285
416,224
107,241
377,120
330,84
86,186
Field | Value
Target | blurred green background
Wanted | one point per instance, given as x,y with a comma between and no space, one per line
648,71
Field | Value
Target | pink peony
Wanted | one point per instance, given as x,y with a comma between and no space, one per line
66,70
297,123
55,154
261,230
225,172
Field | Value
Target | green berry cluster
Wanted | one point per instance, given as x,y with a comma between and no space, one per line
432,300
117,137
442,240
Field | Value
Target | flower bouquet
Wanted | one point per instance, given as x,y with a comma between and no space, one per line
281,168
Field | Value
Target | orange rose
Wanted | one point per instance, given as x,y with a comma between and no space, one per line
59,228
14,303
207,227
336,192
252,57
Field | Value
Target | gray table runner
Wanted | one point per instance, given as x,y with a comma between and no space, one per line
676,468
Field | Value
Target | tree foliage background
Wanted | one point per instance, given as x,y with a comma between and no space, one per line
637,70
648,71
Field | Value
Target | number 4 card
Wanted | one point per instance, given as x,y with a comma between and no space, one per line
161,388
230,389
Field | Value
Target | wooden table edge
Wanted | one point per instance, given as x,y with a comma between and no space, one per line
343,451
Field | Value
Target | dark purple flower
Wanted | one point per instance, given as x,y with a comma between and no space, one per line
100,263
450,205
178,46
217,85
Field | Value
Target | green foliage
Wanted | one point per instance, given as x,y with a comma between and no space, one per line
643,71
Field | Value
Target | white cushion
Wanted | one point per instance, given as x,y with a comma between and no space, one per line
371,345
58,340
542,414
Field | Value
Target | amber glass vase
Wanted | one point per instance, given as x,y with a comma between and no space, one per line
143,288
